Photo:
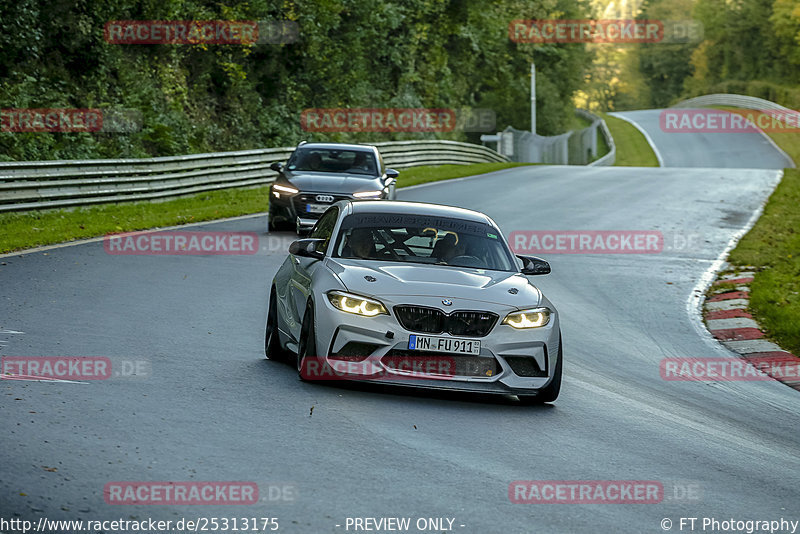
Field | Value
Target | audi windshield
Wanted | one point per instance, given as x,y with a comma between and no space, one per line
333,160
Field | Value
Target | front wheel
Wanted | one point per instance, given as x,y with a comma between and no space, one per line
307,347
272,343
550,392
274,224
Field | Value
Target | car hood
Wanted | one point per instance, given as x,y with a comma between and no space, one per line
393,278
325,182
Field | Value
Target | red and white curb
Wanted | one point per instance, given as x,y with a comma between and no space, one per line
729,321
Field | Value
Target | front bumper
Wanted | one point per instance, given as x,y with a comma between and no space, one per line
293,208
510,361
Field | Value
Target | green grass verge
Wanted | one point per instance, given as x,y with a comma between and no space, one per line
26,229
633,150
772,246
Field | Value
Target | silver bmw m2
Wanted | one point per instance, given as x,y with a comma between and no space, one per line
418,295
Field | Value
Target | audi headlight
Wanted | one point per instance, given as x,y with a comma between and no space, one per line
368,194
285,189
350,303
532,318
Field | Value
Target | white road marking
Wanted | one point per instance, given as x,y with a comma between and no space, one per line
694,305
34,378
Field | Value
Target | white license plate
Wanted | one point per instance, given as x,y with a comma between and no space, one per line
317,208
444,344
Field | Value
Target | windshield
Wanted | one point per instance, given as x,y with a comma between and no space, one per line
333,160
423,239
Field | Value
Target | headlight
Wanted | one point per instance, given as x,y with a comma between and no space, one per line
285,189
347,302
532,318
368,194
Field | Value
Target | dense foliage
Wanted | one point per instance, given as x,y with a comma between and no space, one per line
748,47
215,97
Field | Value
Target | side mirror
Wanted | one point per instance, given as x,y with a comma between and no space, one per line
306,248
531,265
391,173
277,167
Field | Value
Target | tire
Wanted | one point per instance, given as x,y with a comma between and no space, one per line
550,392
274,225
308,340
272,342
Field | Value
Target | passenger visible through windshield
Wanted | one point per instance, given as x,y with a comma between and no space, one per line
441,242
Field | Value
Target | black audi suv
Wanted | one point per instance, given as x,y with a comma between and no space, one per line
319,174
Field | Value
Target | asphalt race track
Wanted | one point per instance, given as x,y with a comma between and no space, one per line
211,408
708,149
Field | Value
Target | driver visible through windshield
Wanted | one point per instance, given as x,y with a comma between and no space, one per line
420,239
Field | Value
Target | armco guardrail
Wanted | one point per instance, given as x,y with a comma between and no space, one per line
599,124
738,101
55,184
576,147
610,158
